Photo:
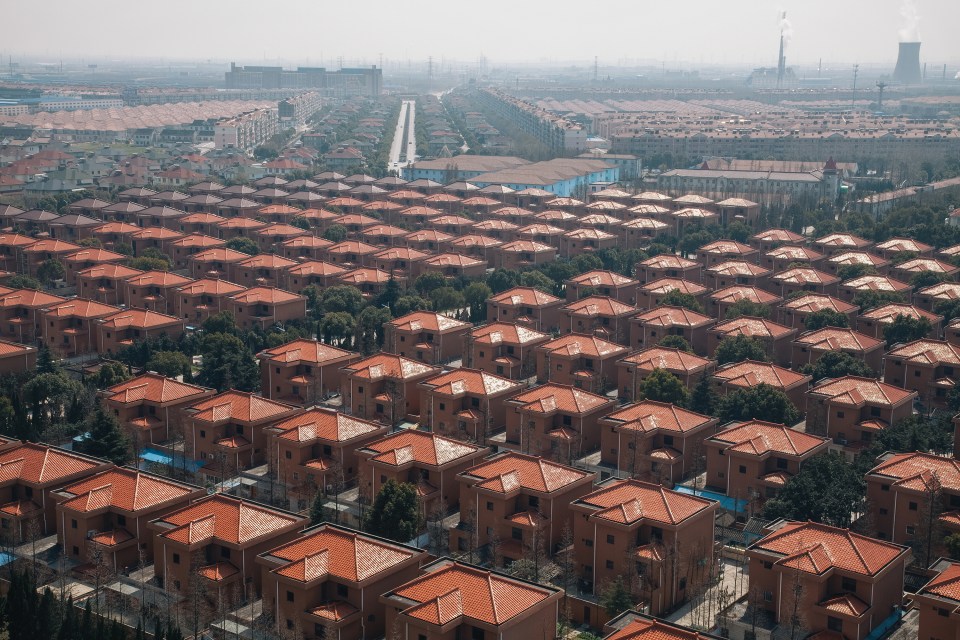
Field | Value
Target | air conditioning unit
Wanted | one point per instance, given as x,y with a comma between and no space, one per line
91,533
841,441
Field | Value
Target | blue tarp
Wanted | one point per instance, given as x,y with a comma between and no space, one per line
728,503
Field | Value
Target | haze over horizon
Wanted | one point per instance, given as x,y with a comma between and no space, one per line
699,32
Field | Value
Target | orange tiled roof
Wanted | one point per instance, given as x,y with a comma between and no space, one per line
210,286
125,489
876,283
511,470
916,470
550,397
307,351
28,298
855,258
904,244
599,305
138,318
650,416
340,553
324,424
427,321
795,254
841,240
836,339
813,302
666,285
524,296
159,278
738,292
420,447
752,327
856,391
667,316
946,584
629,501
803,276
92,254
470,381
666,358
817,548
655,629
668,261
455,591
12,348
453,260
152,387
42,464
577,344
778,235
920,265
266,261
227,519
53,246
759,438
315,268
108,270
503,332
81,308
737,268
240,406
889,312
943,290
599,278
265,295
927,352
365,274
382,365
727,247
750,373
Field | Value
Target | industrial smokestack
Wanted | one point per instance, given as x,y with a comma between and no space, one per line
908,64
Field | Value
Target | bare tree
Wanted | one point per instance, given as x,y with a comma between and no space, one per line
436,533
796,593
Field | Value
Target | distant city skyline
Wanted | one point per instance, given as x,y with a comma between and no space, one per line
693,33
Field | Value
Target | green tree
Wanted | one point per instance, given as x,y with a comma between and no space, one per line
105,438
740,348
826,318
749,308
870,299
676,298
905,329
584,262
663,386
335,233
46,363
538,280
928,279
171,364
391,293
827,489
476,295
409,304
21,281
223,322
337,327
109,374
369,329
301,223
317,509
851,271
615,598
703,400
676,342
395,513
228,363
243,245
148,264
343,299
949,309
446,298
50,271
502,280
836,364
761,402
427,282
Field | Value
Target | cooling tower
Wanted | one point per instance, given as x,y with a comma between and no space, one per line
908,64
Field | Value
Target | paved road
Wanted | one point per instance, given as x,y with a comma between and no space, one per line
403,152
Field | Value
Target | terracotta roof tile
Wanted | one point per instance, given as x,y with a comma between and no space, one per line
855,391
837,339
138,318
816,548
655,629
456,590
750,373
577,344
421,447
503,332
341,553
125,489
151,387
524,296
551,397
804,276
915,470
428,321
889,312
813,302
668,261
927,352
325,424
759,438
673,360
227,519
42,464
946,584
239,406
629,501
667,316
736,293
510,471
471,381
381,365
752,327
649,416
666,285
311,352
599,306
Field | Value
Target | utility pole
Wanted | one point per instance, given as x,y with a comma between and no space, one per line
853,98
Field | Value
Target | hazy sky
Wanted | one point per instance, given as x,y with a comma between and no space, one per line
294,31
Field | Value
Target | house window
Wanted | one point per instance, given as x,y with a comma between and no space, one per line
176,558
224,552
834,624
342,590
913,506
610,538
848,584
489,506
73,524
516,533
288,455
443,406
609,564
588,543
289,596
743,468
839,414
